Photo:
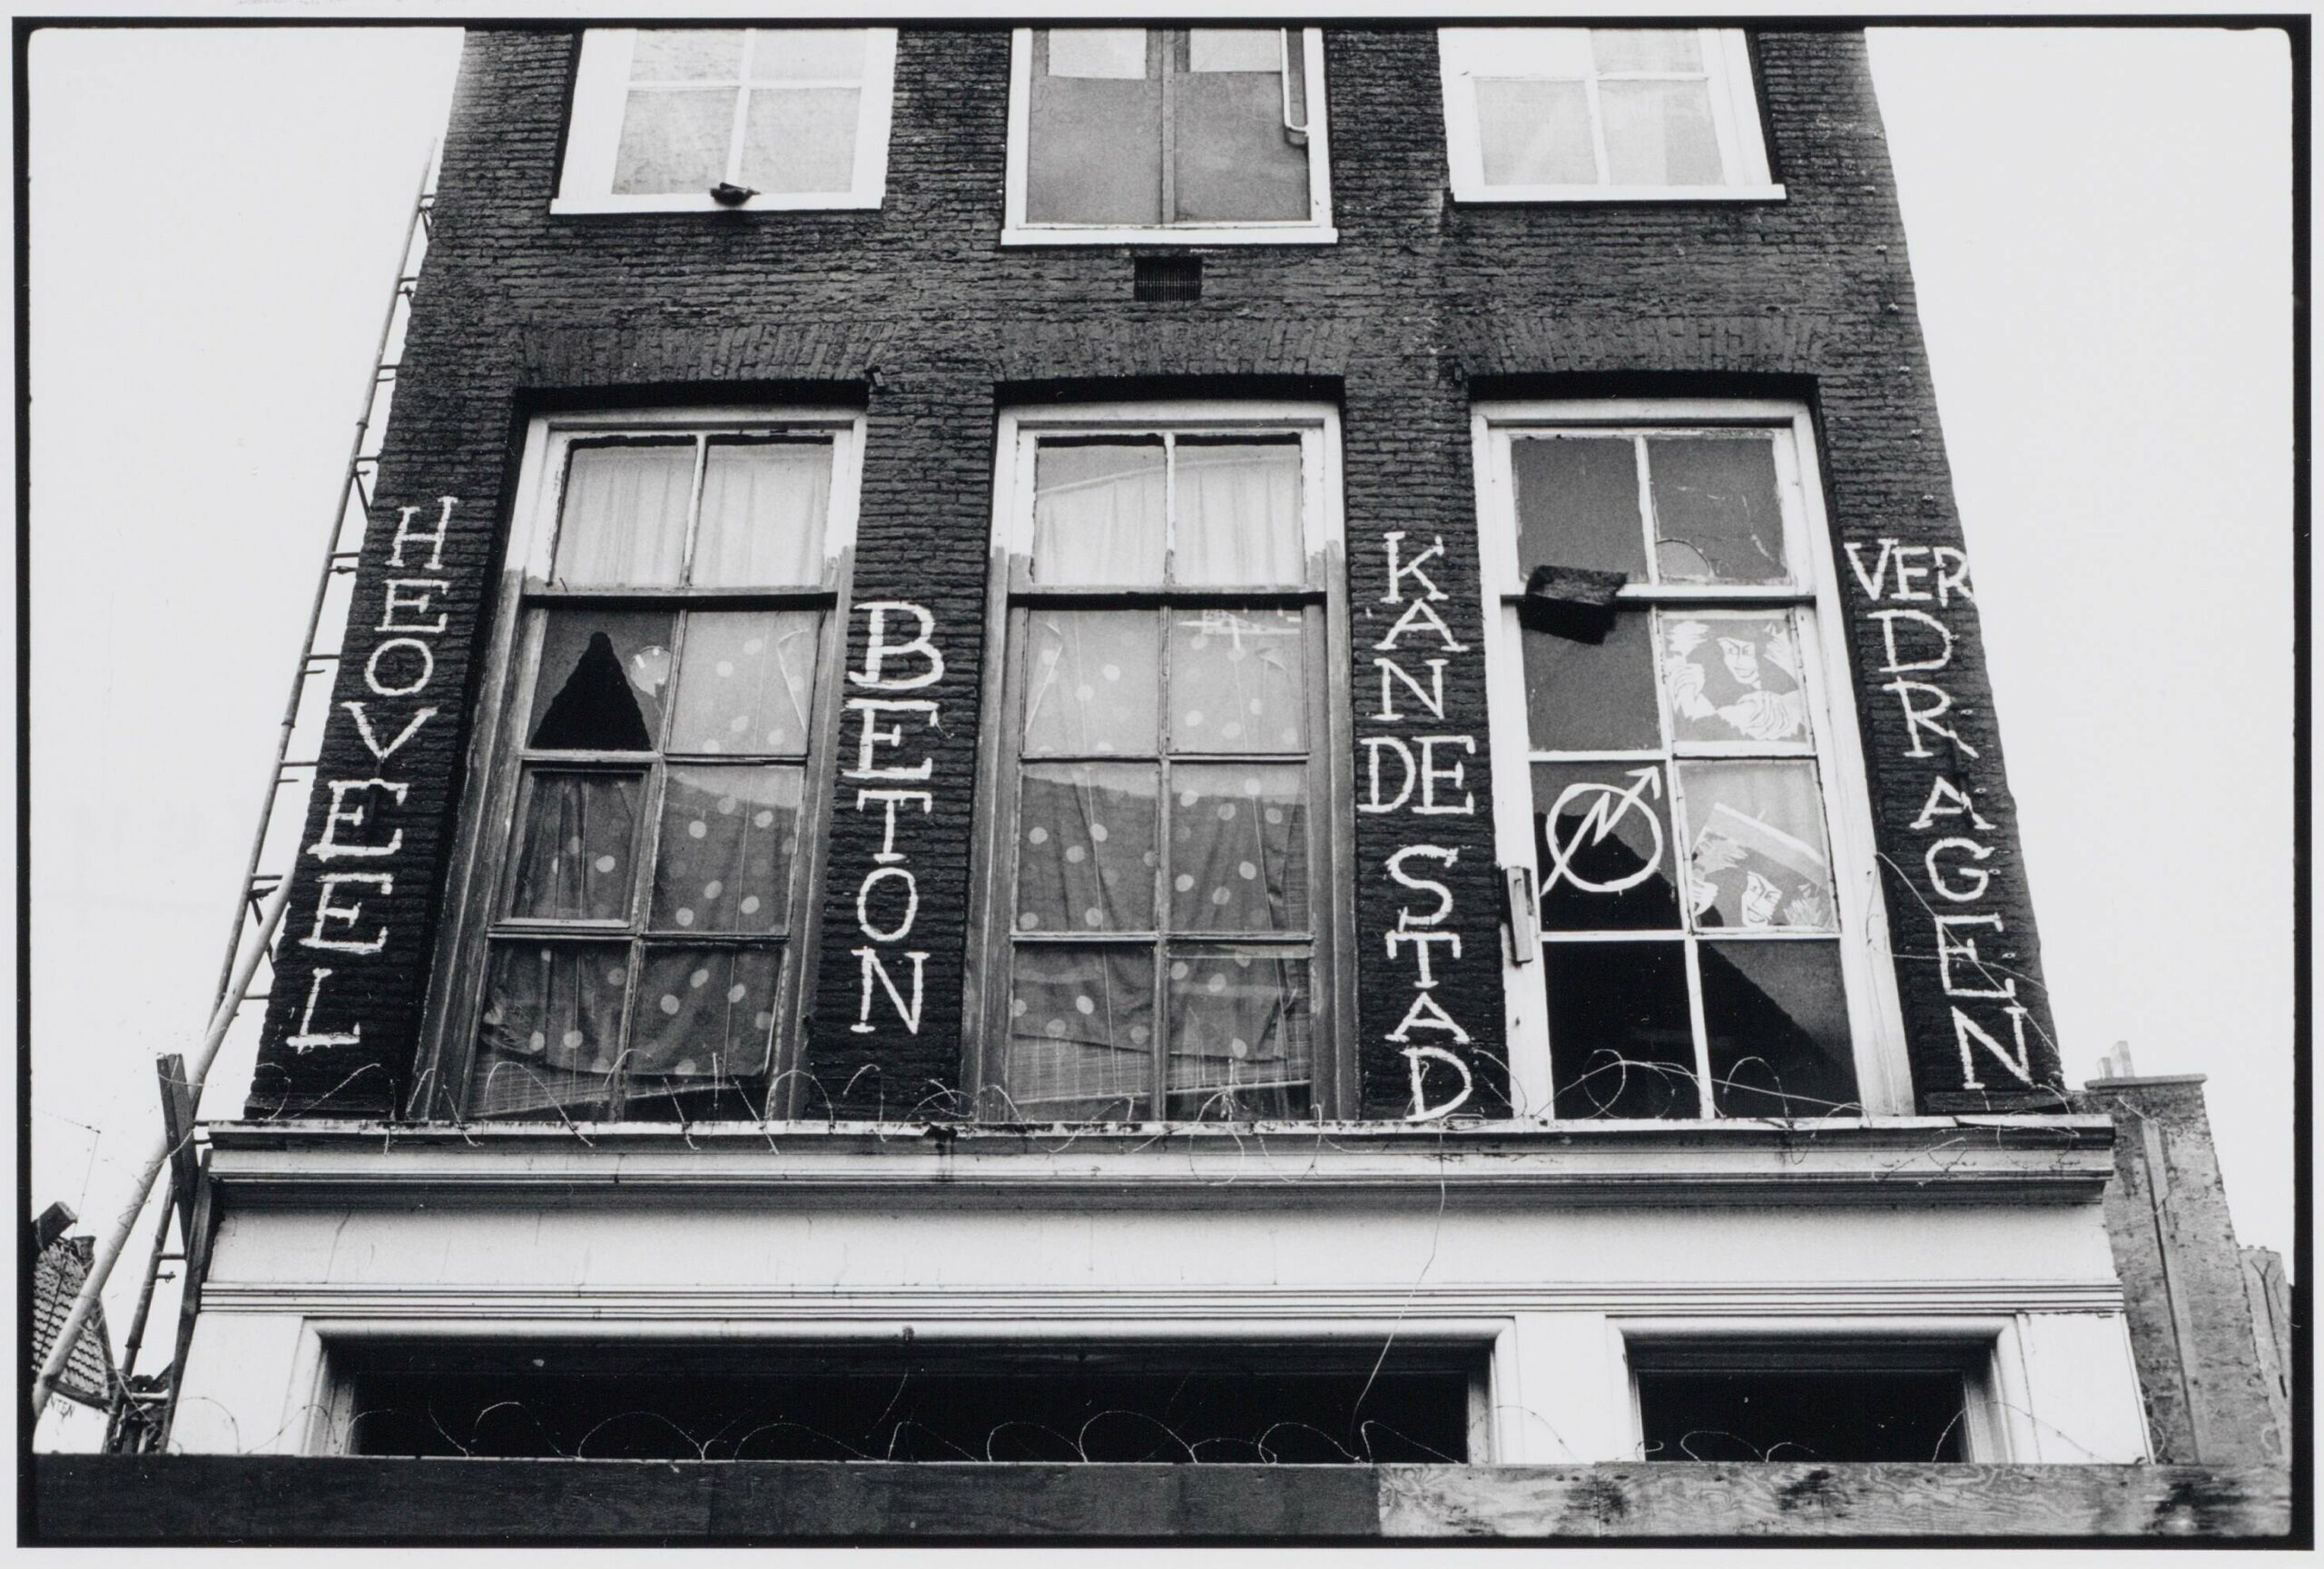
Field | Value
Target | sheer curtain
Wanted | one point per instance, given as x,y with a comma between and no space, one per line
763,511
624,518
1238,513
1097,512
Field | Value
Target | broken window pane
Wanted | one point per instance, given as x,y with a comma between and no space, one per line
1592,696
1233,161
1717,515
729,837
800,139
1620,1040
1086,854
551,1027
704,1012
623,521
1534,132
1097,512
576,854
1576,503
1241,1036
685,54
1778,1017
1733,676
747,685
1080,1033
1239,847
1091,683
763,504
1645,49
1757,859
1602,842
1237,513
1802,1415
1236,681
1659,134
807,53
601,680
1094,129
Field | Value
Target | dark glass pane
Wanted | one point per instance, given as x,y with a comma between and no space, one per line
551,1028
1592,696
602,677
1534,132
1602,847
1237,681
729,837
704,1013
1755,858
1776,1014
1802,1415
575,857
623,518
1085,853
1235,161
748,683
1097,512
1241,1036
1092,683
1094,152
1621,1044
1080,1033
1733,677
1658,133
1576,503
1239,847
1717,516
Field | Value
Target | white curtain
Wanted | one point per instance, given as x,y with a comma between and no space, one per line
1238,513
763,511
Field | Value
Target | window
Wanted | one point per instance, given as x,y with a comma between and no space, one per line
1209,1401
1695,833
1166,789
1201,135
1575,114
669,120
1770,1399
647,845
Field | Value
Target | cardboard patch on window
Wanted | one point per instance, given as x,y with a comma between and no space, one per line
1575,602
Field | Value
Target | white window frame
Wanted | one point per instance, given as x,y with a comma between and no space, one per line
1332,898
1996,1419
1735,118
593,138
457,975
1875,1019
1315,229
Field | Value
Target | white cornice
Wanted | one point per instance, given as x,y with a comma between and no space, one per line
1887,1161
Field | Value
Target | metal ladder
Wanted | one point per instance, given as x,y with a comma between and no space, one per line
140,1417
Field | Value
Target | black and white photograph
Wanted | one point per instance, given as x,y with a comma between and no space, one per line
823,776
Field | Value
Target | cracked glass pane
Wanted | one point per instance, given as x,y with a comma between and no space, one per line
1717,518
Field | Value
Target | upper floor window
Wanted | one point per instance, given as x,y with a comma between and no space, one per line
645,844
1165,896
1599,113
694,119
1204,135
1674,776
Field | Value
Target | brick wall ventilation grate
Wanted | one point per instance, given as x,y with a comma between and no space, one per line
1163,278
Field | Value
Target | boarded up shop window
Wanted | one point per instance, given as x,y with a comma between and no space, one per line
1684,765
640,915
1208,132
1161,909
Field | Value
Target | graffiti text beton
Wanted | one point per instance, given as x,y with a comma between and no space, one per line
887,899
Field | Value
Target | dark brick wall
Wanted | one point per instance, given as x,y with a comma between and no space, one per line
915,312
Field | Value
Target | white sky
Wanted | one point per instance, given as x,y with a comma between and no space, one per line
2100,230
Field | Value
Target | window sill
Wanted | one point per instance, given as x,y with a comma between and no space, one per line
2057,1159
701,201
1559,195
1249,234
